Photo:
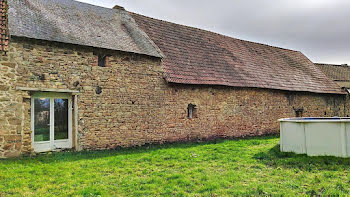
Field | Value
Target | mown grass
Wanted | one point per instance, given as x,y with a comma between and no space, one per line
249,167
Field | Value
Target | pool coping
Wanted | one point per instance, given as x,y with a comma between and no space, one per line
315,119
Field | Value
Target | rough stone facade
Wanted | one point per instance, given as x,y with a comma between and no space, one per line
137,106
4,34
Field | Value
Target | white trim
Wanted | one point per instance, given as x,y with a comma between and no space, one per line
32,120
42,142
65,140
345,119
52,144
76,115
70,139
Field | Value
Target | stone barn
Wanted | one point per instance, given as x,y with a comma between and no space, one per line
340,74
74,75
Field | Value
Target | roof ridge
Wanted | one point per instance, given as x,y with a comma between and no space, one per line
197,28
92,4
327,64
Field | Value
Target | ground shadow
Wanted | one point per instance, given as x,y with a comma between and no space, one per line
275,158
71,156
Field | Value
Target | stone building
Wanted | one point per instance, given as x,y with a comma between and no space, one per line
74,75
338,73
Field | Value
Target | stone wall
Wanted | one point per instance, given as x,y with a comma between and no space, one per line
13,138
4,35
136,105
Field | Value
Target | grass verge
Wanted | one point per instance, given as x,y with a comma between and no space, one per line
224,168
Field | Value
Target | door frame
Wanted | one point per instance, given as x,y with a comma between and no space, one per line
52,144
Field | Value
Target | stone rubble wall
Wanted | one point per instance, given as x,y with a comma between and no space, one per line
4,34
13,138
136,106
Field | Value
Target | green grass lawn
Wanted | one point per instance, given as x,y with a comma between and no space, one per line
224,168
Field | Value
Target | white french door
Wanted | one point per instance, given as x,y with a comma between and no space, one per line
51,121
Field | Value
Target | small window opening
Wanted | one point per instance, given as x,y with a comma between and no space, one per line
299,112
98,90
102,60
42,77
191,111
76,83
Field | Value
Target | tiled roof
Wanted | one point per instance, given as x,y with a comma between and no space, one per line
195,56
336,72
79,23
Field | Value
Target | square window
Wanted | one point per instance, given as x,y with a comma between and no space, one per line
102,60
191,111
299,112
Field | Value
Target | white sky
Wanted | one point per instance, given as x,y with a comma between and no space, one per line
318,28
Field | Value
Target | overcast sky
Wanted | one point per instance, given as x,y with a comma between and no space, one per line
318,28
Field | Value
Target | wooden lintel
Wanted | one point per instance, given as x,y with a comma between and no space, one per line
48,90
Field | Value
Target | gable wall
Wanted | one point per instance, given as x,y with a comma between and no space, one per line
137,106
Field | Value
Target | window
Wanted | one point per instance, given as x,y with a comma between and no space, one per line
102,60
98,90
299,112
191,111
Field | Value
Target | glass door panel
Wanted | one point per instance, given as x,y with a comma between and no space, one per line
41,120
61,119
51,121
